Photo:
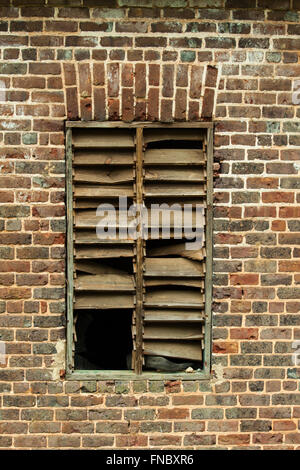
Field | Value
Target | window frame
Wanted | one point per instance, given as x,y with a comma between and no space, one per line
72,374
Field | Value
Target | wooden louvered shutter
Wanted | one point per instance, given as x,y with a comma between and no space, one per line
175,172
163,283
103,170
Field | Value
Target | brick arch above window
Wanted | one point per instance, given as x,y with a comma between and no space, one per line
141,91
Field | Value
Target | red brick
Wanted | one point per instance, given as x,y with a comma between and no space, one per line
140,80
234,439
173,413
196,81
244,333
244,279
225,347
277,197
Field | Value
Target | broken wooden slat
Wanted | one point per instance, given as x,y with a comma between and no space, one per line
103,191
103,138
172,332
179,190
169,281
103,252
177,249
94,267
173,267
157,135
174,174
174,157
107,282
187,350
174,298
100,157
101,301
103,176
178,316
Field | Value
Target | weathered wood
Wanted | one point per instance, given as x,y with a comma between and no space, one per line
89,237
187,350
103,138
171,281
93,202
167,217
195,202
138,356
94,267
173,267
174,298
157,135
86,191
177,249
174,157
179,190
69,246
209,252
171,315
100,157
107,282
90,252
173,332
102,301
111,218
135,125
103,176
174,174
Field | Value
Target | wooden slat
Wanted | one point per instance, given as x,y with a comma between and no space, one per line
90,252
174,174
174,298
103,138
171,281
172,332
173,267
175,218
197,201
174,157
177,249
100,301
103,176
100,157
179,190
94,267
178,316
108,282
187,350
89,237
89,219
93,202
86,191
157,135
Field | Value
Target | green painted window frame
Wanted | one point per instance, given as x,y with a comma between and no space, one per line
205,373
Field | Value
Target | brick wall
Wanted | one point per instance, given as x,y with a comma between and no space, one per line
201,60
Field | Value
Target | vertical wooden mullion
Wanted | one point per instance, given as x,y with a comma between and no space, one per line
69,204
209,252
139,255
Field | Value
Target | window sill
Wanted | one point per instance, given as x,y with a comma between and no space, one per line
127,375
